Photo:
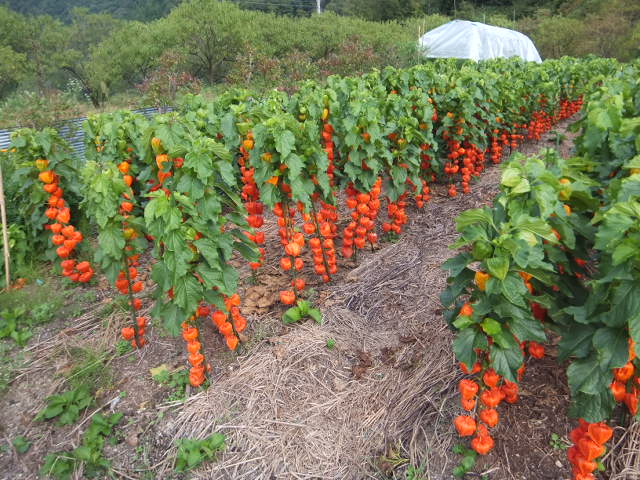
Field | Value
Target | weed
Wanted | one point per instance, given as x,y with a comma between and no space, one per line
21,444
557,443
62,465
89,368
10,326
66,406
42,313
10,361
391,237
177,381
392,460
34,295
192,453
301,310
415,473
468,460
123,347
311,294
331,343
26,308
88,297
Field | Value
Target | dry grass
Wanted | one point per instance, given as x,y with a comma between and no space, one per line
623,460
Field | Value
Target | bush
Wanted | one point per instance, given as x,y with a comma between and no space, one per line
168,81
36,110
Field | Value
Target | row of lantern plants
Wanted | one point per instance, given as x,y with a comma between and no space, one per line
41,194
173,181
558,251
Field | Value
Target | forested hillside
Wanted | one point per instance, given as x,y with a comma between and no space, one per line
369,9
126,9
58,58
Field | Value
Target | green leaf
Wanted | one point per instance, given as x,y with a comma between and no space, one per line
498,267
284,143
624,251
592,408
194,458
537,226
576,341
227,173
514,290
112,241
511,177
187,293
472,217
303,306
315,314
83,453
506,361
292,315
587,376
458,263
457,286
464,344
462,322
527,328
21,444
295,166
612,346
491,327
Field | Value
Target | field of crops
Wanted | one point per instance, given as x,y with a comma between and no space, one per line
184,212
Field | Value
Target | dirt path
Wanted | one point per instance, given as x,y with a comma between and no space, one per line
380,400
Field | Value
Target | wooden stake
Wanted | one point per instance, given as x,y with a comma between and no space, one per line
5,232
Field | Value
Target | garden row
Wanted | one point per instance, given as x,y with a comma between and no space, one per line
195,184
557,255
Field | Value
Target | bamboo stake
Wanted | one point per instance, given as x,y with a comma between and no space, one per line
5,232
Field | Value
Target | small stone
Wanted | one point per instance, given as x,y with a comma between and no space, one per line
132,439
339,385
558,464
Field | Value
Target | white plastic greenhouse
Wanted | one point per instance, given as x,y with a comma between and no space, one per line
476,41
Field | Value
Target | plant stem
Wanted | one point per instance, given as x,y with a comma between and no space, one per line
133,310
289,227
315,222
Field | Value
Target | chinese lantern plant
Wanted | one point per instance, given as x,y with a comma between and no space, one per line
360,137
121,230
362,152
194,240
529,253
197,222
409,127
42,185
119,138
290,170
513,268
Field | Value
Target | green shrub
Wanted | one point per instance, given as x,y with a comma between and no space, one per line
30,109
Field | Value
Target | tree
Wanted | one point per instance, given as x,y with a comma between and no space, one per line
211,33
87,31
12,69
555,36
126,57
377,10
45,43
163,85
